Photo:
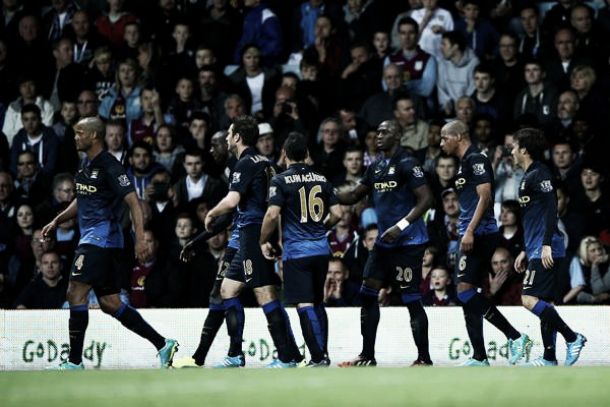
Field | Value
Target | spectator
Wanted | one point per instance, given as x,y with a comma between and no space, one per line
417,66
261,27
165,150
85,40
112,24
141,167
343,235
381,45
370,151
508,68
566,165
532,42
66,118
511,232
254,82
442,227
160,194
266,142
182,105
211,97
570,223
29,51
352,168
561,125
582,81
590,252
64,82
339,290
116,141
589,40
559,68
58,18
464,110
356,256
198,132
233,107
429,261
63,192
196,183
590,199
537,98
483,132
455,71
480,35
361,78
48,289
217,29
507,175
445,171
414,131
487,98
101,76
504,283
28,94
429,155
433,23
131,41
123,99
37,138
328,49
31,184
328,156
600,276
442,293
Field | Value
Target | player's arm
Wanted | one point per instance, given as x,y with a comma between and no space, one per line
137,220
226,205
270,223
350,196
549,200
69,213
485,200
423,196
334,215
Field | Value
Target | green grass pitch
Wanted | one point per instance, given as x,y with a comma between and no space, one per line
515,387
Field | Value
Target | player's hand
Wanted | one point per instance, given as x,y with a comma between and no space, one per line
208,222
391,234
467,241
547,257
268,251
48,229
142,251
521,262
187,253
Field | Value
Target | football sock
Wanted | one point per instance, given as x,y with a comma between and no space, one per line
549,335
323,318
211,325
132,320
292,343
491,313
474,323
77,325
278,330
234,313
312,332
369,320
419,324
547,313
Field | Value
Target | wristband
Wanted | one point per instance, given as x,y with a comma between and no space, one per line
402,224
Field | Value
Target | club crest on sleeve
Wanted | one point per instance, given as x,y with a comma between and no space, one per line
417,172
392,170
124,180
546,186
94,173
236,177
478,169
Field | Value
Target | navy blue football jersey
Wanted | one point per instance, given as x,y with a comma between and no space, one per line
475,169
305,198
392,182
538,202
251,177
101,186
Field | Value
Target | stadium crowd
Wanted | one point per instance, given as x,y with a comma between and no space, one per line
168,77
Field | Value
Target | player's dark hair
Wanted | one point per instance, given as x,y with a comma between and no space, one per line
296,147
247,128
533,141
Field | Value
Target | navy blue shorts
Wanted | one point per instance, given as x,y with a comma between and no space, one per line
249,266
473,266
540,282
98,267
304,279
400,265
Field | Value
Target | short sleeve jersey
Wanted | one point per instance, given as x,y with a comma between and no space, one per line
250,178
475,169
538,202
101,186
392,182
305,198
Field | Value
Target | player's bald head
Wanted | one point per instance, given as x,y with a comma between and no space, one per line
456,127
93,125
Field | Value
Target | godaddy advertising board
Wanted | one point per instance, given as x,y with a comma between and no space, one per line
34,340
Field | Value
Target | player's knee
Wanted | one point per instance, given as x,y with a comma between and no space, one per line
229,289
461,287
373,284
265,295
76,294
528,301
109,305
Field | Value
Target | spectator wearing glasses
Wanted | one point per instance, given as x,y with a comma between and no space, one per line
63,192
